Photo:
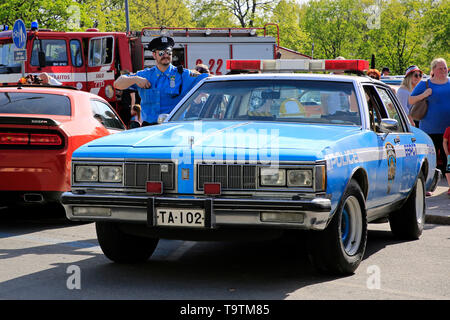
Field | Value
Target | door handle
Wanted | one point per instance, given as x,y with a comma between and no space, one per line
413,139
397,140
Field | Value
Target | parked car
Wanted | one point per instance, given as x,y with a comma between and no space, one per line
40,127
260,152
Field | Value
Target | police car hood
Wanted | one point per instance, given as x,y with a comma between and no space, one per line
310,138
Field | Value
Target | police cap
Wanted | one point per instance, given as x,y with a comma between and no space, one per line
161,43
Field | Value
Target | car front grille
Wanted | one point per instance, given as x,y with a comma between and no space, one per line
230,176
138,173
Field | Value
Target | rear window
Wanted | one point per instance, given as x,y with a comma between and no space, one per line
34,103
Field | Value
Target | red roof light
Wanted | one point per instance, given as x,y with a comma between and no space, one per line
347,65
244,64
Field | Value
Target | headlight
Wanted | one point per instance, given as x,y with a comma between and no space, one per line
86,173
273,177
109,91
110,174
299,178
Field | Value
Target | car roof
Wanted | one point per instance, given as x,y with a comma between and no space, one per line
48,90
294,76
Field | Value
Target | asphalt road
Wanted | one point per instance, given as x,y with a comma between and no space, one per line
52,259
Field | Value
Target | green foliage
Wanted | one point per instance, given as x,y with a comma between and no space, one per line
398,32
156,13
287,14
51,14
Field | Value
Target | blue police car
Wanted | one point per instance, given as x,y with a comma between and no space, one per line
272,152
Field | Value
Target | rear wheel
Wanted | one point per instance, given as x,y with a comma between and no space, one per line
122,247
407,222
339,249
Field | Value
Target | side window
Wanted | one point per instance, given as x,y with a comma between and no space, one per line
390,107
76,53
103,113
55,52
101,51
376,112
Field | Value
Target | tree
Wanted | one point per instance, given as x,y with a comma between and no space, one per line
287,15
48,13
211,14
334,27
157,13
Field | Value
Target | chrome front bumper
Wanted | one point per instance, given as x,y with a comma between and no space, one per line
220,212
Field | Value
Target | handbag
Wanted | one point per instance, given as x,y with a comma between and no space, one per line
419,109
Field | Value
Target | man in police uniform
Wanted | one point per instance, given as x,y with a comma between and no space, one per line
162,86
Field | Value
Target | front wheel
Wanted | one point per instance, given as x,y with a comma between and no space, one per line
122,247
339,249
407,222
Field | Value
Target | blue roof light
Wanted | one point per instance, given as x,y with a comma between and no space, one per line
34,25
4,27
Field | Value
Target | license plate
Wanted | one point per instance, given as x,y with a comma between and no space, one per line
180,217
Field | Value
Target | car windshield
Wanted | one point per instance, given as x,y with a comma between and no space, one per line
34,103
7,63
310,101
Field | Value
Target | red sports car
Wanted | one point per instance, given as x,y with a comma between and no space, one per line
40,127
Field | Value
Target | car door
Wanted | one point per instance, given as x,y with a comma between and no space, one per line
389,164
407,150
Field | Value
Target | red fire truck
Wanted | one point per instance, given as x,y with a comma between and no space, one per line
92,60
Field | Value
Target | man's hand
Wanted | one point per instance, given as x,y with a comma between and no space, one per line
142,83
124,82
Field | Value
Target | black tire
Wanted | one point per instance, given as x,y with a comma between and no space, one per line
121,247
339,249
407,223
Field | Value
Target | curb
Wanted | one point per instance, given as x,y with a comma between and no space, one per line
435,219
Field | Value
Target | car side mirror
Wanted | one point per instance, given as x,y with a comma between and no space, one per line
42,61
162,117
387,126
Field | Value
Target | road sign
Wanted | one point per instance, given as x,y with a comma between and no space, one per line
19,34
20,55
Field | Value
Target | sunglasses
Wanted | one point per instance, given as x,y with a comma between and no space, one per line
418,75
162,52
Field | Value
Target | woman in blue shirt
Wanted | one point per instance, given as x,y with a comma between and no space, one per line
437,118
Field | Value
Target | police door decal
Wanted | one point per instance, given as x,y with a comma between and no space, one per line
392,164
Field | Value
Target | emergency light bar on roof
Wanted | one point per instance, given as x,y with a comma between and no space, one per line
291,65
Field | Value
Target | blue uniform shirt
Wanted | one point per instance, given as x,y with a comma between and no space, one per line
164,92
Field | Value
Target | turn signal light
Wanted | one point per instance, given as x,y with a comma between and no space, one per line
31,139
154,187
13,138
45,139
212,188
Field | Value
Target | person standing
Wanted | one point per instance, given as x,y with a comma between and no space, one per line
413,75
374,74
136,114
385,72
162,86
446,146
437,118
